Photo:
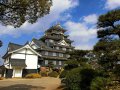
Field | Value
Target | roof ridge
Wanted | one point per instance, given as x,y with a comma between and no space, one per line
15,44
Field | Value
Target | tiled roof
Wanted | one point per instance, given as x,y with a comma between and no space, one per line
56,27
55,38
13,46
18,62
52,50
54,58
39,43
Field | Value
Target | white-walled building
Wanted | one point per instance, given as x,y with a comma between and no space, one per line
20,60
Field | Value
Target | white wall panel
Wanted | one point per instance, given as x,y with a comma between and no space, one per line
18,56
31,61
21,51
29,51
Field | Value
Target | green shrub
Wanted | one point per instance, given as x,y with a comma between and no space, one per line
57,70
63,74
43,74
33,75
73,78
87,75
99,83
70,64
53,74
80,78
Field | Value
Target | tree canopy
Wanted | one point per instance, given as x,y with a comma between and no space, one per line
109,24
108,48
108,53
16,12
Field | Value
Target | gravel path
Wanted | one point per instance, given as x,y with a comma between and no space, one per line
44,83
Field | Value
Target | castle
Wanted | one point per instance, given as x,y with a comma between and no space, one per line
52,47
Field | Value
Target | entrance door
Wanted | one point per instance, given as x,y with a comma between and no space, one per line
17,72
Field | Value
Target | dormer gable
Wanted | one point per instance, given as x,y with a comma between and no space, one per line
63,42
33,45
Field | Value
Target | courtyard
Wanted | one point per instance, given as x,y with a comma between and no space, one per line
44,83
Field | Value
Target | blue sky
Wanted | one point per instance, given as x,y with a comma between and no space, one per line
79,17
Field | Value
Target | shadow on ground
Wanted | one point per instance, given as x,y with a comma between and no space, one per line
22,87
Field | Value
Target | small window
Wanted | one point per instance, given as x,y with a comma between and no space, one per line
60,55
60,62
67,56
46,62
51,41
54,62
70,50
46,53
54,54
64,49
57,48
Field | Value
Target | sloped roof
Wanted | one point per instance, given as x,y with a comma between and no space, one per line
13,46
40,43
56,27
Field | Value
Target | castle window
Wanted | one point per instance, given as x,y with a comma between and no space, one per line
46,53
54,54
64,49
67,56
60,63
60,55
46,62
54,62
51,41
57,48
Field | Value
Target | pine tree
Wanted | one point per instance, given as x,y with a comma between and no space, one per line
108,24
16,12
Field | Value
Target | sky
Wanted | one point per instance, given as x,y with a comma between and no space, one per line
78,17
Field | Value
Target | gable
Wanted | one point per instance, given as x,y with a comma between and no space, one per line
26,49
63,43
33,45
21,54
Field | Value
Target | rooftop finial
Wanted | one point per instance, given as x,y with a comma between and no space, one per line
58,24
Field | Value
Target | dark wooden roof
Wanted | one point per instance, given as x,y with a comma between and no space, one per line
56,27
54,58
63,46
40,43
13,46
51,50
18,62
55,38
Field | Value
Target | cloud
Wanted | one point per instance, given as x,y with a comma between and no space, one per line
91,19
83,35
112,4
57,12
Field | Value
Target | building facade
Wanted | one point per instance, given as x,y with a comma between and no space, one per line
52,47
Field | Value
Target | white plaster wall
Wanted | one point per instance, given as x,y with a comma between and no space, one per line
17,56
31,61
29,51
21,51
